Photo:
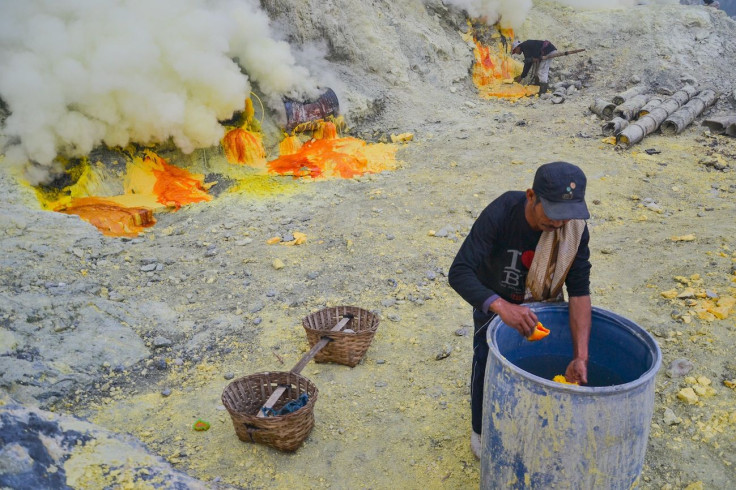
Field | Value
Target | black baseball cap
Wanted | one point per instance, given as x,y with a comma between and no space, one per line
560,187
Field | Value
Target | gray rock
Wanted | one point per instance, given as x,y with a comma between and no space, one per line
37,443
160,341
669,417
679,367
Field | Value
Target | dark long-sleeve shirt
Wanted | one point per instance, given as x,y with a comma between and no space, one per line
534,49
497,253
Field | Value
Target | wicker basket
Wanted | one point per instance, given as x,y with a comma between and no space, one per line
244,397
346,347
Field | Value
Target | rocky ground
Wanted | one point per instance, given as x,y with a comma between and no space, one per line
140,336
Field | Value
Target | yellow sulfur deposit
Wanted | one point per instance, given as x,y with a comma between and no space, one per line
688,395
560,378
402,138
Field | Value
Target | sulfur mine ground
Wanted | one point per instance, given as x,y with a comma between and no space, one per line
90,330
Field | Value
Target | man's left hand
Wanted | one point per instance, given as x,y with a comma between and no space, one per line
577,372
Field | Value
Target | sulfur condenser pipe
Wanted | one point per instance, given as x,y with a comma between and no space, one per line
653,102
614,126
602,108
720,124
629,94
629,110
636,132
685,115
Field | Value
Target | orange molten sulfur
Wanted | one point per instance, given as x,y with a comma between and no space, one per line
539,332
244,147
340,157
110,218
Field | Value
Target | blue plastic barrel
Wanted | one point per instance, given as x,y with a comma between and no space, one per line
540,434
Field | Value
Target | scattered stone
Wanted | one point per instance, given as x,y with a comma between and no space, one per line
229,376
680,367
444,353
166,392
277,264
148,267
461,332
670,418
381,384
160,341
393,317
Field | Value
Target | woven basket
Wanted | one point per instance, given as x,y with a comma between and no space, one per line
346,347
244,397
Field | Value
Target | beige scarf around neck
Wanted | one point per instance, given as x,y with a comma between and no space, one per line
553,258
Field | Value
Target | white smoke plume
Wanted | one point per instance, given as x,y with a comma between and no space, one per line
510,13
77,73
612,4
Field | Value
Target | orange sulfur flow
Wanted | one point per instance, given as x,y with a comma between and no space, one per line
345,158
150,184
494,68
244,147
110,218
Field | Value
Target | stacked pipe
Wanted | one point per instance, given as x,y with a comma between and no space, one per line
633,114
682,117
635,132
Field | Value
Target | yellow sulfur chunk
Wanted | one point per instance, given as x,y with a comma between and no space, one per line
688,395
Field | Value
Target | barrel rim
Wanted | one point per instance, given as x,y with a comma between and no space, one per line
638,331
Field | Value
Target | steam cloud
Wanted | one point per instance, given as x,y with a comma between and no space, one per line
512,13
77,73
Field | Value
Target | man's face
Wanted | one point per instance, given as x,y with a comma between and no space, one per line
538,220
516,50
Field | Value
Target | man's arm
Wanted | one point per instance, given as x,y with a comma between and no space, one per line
580,323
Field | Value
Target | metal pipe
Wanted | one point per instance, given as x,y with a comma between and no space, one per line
681,118
602,108
635,132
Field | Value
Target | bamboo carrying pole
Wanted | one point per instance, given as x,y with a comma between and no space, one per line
685,115
720,124
636,132
630,109
300,365
557,54
628,94
614,126
602,108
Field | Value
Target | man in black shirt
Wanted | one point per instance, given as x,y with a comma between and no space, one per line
533,51
490,269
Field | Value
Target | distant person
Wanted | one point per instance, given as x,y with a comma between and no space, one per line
533,51
508,259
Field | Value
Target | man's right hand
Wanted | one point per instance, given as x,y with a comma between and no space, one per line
518,317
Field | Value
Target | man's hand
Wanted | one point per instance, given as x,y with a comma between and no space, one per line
517,79
577,372
518,317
